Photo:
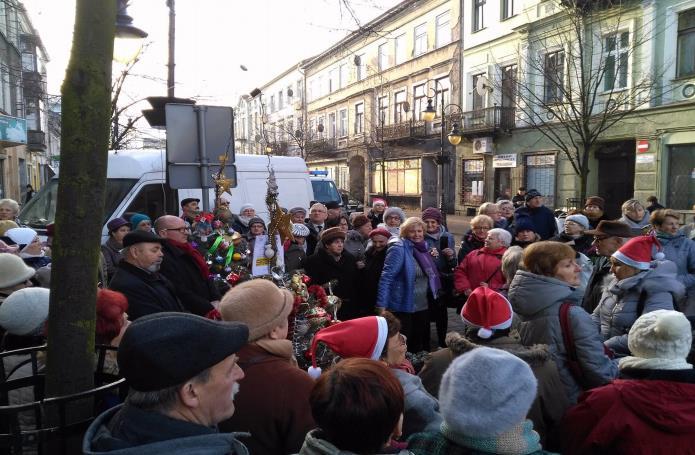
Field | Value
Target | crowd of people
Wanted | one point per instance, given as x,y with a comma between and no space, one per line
578,335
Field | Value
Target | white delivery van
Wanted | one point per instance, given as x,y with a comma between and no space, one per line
136,183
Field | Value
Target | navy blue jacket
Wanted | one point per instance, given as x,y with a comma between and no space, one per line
542,218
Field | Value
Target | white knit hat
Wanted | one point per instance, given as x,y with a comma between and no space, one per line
300,230
13,270
21,236
25,310
661,334
580,219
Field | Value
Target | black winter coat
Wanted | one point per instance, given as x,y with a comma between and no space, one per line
322,268
469,243
147,292
369,280
193,291
582,244
312,239
595,287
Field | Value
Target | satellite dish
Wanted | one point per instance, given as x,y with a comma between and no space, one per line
289,92
406,106
482,86
357,60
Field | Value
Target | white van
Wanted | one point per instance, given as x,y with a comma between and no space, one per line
136,183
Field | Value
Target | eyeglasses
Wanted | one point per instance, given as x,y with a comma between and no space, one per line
481,228
182,230
403,339
600,238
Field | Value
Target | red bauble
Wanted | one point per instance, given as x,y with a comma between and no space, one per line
306,279
233,278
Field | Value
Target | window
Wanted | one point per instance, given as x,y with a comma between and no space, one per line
359,118
331,125
478,99
540,174
383,56
507,9
616,55
402,177
553,74
360,67
478,23
681,184
343,127
272,103
312,126
472,182
509,83
281,100
332,80
419,100
319,127
686,44
441,88
442,32
401,55
383,110
343,74
420,39
398,113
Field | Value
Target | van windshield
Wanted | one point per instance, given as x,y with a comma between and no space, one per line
326,191
41,209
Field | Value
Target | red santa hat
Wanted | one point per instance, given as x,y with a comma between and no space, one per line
488,310
638,252
361,337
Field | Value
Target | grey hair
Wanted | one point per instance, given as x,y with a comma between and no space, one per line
11,203
502,202
511,262
630,205
503,235
483,209
162,400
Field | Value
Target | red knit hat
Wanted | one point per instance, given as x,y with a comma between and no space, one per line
637,252
488,310
361,337
380,231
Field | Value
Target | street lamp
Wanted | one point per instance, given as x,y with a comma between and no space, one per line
128,37
454,137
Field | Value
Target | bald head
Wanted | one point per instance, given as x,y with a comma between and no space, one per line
172,228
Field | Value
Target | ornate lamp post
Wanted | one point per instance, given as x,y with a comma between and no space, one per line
454,137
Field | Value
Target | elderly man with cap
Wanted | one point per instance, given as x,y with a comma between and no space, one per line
541,216
14,275
183,373
333,210
189,209
331,263
111,249
185,267
137,276
317,220
609,236
278,417
241,223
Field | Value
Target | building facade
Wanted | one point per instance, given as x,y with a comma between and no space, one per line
26,141
520,62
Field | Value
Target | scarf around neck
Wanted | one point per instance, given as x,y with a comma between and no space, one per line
426,262
194,254
519,440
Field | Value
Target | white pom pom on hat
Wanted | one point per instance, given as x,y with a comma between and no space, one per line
488,310
661,334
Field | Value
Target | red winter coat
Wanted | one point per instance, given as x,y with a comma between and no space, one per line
633,416
481,265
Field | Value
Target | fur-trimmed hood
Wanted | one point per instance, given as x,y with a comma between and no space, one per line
535,355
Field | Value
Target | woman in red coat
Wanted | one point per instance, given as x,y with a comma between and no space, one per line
650,409
483,267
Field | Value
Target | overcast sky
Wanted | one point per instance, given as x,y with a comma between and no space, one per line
213,38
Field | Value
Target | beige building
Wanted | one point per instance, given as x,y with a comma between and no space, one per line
364,99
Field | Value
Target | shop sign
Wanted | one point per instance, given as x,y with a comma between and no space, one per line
508,160
644,159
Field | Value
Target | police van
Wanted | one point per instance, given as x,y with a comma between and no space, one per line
325,189
136,183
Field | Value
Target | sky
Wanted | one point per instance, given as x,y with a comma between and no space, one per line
213,38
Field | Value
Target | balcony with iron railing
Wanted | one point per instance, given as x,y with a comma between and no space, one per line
36,141
402,130
322,144
489,120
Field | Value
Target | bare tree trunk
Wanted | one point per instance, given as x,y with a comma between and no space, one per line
86,106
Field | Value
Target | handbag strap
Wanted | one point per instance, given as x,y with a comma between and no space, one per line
568,340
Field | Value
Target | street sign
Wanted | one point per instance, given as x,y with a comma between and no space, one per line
507,160
196,136
13,130
642,146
